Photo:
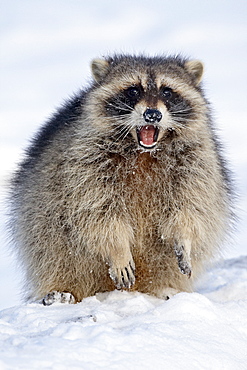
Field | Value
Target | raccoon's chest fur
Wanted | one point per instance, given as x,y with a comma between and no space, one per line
148,188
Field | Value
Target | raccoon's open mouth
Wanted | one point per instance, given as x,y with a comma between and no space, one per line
147,136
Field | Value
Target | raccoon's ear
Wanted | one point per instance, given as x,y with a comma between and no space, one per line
99,69
195,68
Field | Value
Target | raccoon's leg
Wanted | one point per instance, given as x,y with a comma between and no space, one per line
58,297
114,246
182,252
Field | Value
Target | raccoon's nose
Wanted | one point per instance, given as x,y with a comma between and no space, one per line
152,115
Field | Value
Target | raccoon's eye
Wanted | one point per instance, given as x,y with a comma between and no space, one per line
133,92
167,93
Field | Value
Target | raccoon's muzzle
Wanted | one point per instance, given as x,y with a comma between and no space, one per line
148,135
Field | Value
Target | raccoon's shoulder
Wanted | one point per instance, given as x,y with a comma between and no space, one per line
60,124
61,120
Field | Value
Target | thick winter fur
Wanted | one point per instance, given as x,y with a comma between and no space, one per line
124,186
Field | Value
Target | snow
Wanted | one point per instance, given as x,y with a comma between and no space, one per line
46,50
118,330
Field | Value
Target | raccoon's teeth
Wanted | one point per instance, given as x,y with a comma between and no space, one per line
147,135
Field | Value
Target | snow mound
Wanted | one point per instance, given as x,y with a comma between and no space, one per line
226,282
119,330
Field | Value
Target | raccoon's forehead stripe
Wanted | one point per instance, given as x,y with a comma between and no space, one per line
147,79
151,81
125,80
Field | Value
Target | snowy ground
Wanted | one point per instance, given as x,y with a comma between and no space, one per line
120,330
46,49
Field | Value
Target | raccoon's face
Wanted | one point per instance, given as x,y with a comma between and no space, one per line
145,99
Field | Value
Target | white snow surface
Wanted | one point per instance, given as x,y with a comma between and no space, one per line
121,330
46,48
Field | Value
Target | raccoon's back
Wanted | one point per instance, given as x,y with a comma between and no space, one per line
53,137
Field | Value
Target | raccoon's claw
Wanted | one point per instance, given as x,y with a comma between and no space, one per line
183,260
185,268
58,297
123,277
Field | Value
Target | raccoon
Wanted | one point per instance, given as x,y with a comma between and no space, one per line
124,187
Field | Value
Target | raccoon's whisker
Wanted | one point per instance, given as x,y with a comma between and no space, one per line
182,116
119,105
181,111
120,137
123,130
183,122
182,119
125,105
119,121
123,133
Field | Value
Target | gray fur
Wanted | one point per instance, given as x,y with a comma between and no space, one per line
93,210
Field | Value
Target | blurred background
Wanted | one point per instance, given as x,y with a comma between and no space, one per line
46,48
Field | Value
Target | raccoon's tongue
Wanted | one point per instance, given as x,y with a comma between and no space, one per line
147,135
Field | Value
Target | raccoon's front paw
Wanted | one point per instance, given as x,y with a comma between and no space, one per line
123,277
183,260
58,297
